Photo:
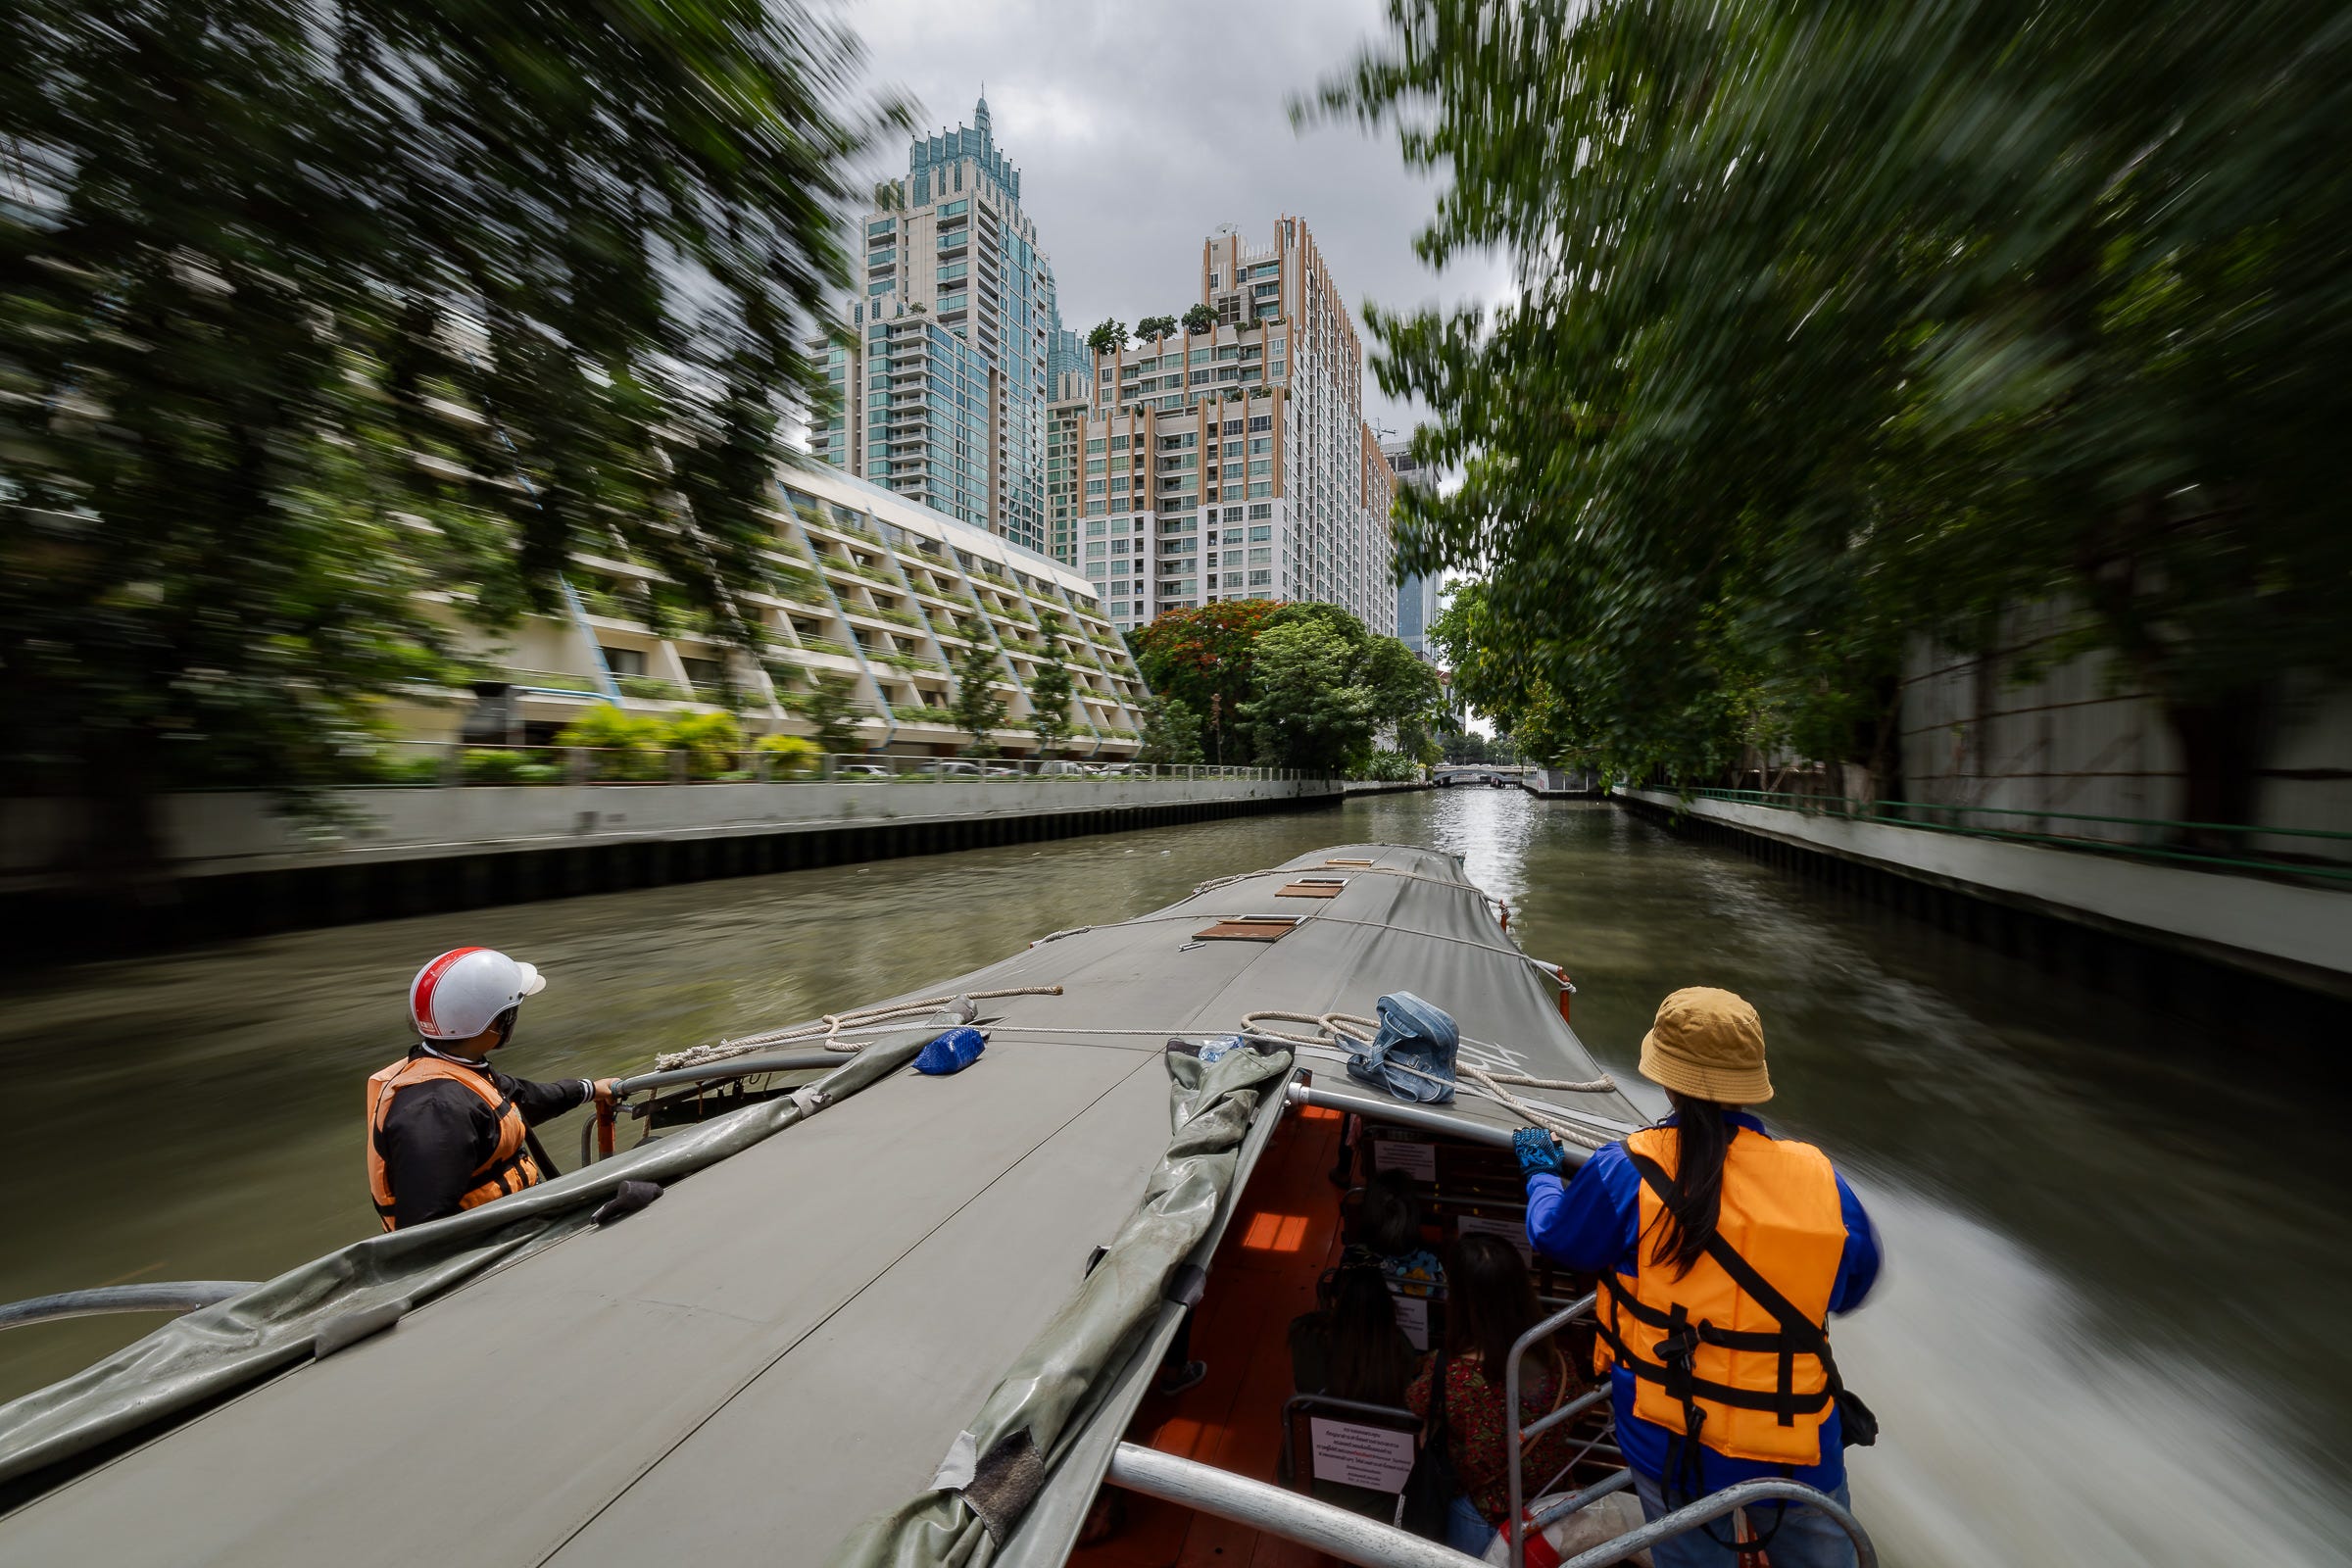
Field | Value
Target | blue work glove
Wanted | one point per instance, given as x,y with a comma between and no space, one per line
1538,1152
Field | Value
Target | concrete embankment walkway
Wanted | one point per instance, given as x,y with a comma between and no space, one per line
2134,920
234,864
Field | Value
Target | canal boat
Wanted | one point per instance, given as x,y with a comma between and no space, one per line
879,1315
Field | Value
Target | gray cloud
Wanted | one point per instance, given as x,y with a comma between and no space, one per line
1140,127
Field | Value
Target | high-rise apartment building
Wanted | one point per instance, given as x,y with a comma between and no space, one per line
1417,596
943,396
1234,463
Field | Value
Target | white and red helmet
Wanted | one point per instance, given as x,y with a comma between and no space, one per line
458,995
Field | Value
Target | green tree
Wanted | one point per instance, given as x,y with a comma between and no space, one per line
1050,689
622,744
1171,731
310,309
1197,320
1203,657
978,708
1108,336
1157,328
708,740
832,710
1836,328
1307,711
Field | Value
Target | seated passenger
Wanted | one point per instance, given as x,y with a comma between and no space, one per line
1352,1349
1491,1301
1388,1235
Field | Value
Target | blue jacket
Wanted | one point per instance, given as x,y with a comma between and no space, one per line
1594,1223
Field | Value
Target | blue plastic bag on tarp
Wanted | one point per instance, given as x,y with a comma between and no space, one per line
1416,1035
952,1051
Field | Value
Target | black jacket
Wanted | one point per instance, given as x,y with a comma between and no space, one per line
437,1134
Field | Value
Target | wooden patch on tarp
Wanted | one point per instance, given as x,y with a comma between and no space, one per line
1248,928
1344,861
1313,887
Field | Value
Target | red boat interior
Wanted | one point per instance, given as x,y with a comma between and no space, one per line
1287,1230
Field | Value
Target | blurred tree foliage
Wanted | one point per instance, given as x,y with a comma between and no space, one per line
1845,322
309,311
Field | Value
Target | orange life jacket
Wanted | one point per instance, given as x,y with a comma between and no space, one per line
509,1167
1709,1351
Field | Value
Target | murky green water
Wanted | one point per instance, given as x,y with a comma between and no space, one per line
2112,1329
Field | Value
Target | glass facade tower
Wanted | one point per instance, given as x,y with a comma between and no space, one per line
957,291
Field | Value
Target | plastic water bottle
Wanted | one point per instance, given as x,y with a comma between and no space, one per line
1217,1045
952,1051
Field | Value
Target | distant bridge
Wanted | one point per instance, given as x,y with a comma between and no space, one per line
1489,774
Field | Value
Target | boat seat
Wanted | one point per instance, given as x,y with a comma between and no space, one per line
1352,1455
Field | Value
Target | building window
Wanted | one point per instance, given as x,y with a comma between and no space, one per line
1261,421
1262,489
1260,579
1263,532
1263,556
1257,513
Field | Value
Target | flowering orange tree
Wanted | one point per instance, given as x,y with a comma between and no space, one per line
1203,657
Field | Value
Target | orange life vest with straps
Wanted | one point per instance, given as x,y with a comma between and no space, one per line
1736,1356
509,1167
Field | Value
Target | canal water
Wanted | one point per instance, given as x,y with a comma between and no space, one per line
2113,1322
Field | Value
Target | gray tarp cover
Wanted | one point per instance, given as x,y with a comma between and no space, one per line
789,1342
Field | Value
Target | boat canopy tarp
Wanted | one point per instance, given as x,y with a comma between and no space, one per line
996,1466
790,1342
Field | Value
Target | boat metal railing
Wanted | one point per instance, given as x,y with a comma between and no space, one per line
1690,1516
2202,846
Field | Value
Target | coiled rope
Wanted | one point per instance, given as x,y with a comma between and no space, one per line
834,1025
1351,1033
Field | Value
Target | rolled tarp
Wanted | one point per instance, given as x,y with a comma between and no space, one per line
364,1287
1011,1449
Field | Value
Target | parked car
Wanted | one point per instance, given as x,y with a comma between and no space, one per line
951,769
1062,770
1003,771
860,772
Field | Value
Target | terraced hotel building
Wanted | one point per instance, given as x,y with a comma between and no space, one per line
867,583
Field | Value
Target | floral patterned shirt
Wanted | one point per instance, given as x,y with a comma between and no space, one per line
1475,1421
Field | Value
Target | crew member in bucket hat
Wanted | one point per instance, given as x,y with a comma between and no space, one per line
1720,1253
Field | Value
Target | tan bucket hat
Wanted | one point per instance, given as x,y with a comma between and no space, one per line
1708,1043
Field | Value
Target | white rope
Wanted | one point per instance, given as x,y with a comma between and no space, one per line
1348,1030
833,1025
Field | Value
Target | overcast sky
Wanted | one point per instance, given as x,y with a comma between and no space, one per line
1139,125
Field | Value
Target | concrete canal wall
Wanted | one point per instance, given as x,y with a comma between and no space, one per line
2205,943
235,864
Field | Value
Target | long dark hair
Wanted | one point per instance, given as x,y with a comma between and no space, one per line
1694,1196
1371,1359
1489,1301
1391,1222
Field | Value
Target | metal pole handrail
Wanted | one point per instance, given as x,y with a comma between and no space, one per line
1510,1404
1566,1413
1311,1523
1568,1504
1714,1506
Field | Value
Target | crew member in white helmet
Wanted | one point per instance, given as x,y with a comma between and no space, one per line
446,1131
